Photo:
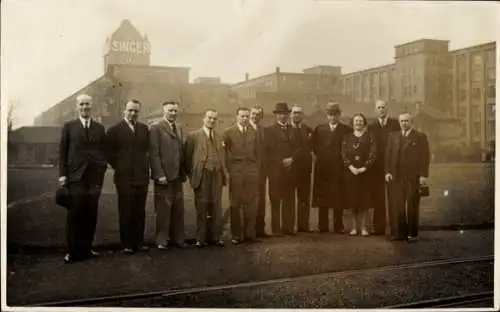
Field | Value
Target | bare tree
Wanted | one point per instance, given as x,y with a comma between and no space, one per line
10,115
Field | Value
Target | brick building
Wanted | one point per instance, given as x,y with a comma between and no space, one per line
456,88
451,92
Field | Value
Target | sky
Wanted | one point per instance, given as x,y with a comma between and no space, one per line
52,48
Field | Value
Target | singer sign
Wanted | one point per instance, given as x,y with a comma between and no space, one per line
138,47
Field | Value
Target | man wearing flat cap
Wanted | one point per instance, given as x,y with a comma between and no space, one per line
329,189
82,165
280,146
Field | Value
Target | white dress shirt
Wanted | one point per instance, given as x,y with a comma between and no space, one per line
85,122
242,129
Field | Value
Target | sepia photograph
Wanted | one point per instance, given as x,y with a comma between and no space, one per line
257,154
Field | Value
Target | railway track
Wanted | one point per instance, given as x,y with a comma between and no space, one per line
485,298
120,299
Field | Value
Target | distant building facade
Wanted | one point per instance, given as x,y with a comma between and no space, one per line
458,86
451,92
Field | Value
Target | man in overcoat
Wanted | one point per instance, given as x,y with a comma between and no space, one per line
380,130
82,165
329,186
128,146
407,169
281,147
206,169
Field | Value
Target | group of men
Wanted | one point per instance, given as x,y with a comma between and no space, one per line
244,157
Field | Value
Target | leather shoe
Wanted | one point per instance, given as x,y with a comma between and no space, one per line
69,259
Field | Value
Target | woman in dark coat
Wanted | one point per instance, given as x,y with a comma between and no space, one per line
358,154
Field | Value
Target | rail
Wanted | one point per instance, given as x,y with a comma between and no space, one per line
195,290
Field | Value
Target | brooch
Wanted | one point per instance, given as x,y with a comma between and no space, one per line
356,157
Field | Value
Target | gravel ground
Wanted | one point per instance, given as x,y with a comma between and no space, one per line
41,278
42,224
365,290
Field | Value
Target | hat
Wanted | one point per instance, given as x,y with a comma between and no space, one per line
281,107
62,197
333,108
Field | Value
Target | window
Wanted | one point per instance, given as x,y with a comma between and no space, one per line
476,93
490,57
476,129
477,59
461,61
477,75
475,113
491,91
491,74
462,95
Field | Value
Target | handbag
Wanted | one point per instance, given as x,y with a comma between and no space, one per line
62,197
423,191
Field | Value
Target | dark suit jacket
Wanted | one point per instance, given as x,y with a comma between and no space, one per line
415,156
79,153
380,135
278,146
304,144
242,152
329,166
167,151
128,153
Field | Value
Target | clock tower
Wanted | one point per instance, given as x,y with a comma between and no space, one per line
126,46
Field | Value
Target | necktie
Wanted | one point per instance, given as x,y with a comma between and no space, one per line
133,124
210,135
87,126
244,130
174,128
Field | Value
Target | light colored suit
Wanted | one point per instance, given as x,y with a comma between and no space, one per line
207,184
167,160
166,152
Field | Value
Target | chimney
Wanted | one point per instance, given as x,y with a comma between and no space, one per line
277,70
246,76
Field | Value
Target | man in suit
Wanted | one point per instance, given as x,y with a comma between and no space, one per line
166,142
329,185
303,167
205,166
128,145
407,168
280,142
82,165
241,147
380,130
256,115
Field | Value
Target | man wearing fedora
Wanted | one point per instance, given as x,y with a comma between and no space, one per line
328,184
280,143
